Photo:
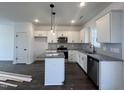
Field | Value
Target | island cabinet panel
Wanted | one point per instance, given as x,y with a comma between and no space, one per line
54,71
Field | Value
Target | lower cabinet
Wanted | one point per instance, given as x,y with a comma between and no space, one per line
79,57
72,56
83,61
110,75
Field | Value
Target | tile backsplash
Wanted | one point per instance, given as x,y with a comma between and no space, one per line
108,49
68,45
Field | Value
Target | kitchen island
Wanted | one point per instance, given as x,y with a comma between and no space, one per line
54,68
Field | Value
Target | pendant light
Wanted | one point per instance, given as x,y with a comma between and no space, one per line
54,22
52,6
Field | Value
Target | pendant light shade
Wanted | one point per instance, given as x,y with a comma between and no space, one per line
52,6
52,27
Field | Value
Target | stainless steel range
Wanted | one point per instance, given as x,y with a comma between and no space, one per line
64,50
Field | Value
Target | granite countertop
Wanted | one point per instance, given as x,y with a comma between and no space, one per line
97,56
54,55
100,57
104,57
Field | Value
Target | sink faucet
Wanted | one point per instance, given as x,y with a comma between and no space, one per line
92,47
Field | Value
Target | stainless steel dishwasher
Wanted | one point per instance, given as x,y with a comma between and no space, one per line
93,69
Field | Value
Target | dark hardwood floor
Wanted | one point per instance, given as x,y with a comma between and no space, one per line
75,78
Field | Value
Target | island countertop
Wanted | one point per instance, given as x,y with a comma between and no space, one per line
54,55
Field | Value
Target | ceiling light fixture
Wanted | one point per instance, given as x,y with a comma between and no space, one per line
52,13
72,21
82,4
36,20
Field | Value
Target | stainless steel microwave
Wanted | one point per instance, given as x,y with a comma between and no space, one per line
62,39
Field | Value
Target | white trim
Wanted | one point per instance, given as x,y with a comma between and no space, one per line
16,77
15,74
8,84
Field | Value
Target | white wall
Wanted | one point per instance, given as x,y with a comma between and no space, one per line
40,46
6,42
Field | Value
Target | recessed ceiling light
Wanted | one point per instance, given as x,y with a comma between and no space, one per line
36,20
72,21
82,4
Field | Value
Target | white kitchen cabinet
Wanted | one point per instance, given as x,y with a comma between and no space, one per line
109,27
110,75
54,71
40,33
73,37
72,56
85,35
83,61
62,33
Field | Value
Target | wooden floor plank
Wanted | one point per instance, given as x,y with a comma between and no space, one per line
8,84
75,78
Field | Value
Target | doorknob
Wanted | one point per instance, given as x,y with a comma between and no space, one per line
25,49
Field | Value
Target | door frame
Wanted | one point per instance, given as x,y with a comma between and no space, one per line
14,62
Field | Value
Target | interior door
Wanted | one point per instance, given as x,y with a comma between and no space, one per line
21,47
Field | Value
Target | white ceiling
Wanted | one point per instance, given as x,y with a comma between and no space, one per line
65,11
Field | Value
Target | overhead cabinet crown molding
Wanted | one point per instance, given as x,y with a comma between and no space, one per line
109,27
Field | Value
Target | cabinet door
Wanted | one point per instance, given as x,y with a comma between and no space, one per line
61,33
72,56
82,36
103,28
44,33
77,56
85,35
82,61
85,63
69,37
40,33
73,37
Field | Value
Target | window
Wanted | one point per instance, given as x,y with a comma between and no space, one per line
94,37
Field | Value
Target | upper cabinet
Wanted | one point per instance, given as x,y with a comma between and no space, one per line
40,33
73,37
109,28
85,36
62,33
